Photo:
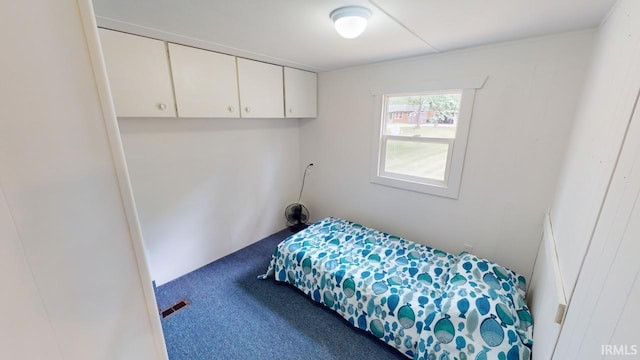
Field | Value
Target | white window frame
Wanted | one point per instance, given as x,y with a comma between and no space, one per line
450,186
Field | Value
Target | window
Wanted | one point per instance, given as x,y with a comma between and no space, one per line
424,150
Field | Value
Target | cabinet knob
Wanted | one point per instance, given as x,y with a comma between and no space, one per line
290,110
231,108
247,109
162,106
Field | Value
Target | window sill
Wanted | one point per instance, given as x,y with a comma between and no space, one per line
450,192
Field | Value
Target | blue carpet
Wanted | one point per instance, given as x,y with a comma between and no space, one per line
233,315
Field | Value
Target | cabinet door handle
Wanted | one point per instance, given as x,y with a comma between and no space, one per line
162,106
290,110
247,109
231,109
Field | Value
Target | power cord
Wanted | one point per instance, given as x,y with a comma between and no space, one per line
303,178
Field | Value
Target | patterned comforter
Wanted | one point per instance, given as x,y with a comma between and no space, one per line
425,302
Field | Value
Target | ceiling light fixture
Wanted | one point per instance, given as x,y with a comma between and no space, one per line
350,21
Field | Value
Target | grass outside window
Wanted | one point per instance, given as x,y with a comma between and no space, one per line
421,135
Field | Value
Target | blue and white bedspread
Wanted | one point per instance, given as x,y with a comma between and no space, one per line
425,302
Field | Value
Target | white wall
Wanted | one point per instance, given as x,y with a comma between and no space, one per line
27,319
596,208
521,120
604,307
604,112
78,291
205,188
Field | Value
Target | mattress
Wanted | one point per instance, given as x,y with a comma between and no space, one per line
425,302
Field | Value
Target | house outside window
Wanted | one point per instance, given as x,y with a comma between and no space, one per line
424,149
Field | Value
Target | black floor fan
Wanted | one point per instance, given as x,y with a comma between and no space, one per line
297,214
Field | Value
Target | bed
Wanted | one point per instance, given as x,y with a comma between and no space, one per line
425,302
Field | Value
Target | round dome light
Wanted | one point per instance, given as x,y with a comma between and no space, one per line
350,21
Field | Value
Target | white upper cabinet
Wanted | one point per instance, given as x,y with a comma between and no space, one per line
205,83
144,75
139,75
300,93
261,89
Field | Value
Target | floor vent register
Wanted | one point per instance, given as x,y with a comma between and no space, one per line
180,305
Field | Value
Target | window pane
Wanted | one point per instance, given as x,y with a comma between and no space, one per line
428,115
425,160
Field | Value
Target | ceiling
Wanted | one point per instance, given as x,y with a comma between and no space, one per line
299,33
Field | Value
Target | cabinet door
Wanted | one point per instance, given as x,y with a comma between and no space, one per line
261,89
139,75
300,93
205,82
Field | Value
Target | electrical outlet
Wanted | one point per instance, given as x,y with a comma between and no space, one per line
468,248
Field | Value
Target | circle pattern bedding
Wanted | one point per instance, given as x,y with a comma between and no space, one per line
425,302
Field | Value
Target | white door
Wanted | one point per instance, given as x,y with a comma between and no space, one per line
300,93
139,75
205,83
261,89
603,318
